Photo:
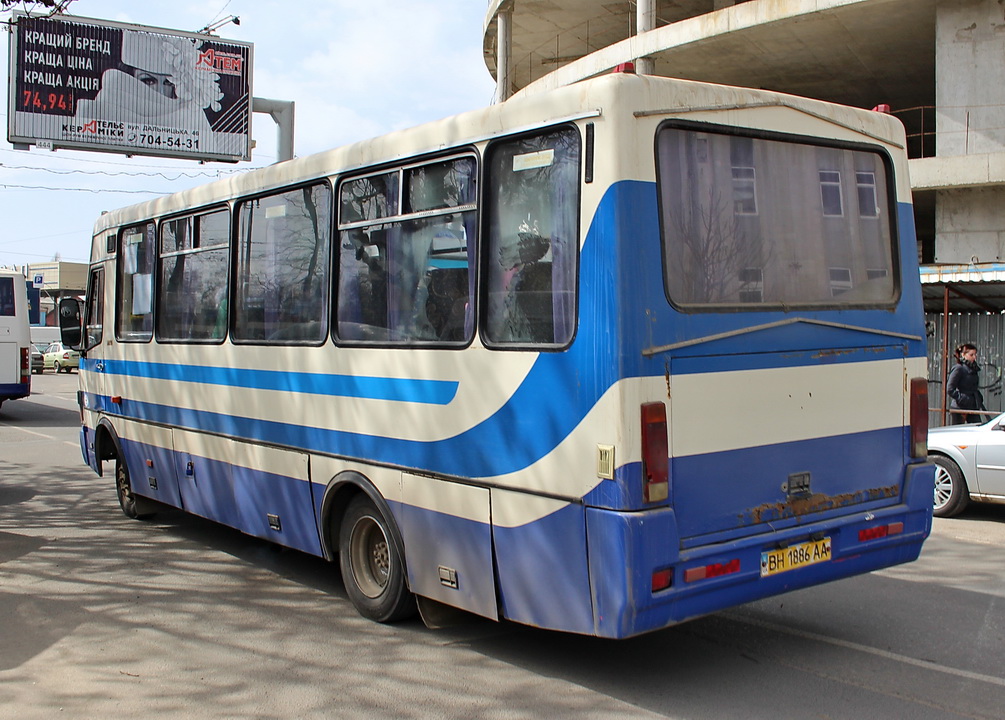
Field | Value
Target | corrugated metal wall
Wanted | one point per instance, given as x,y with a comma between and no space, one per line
984,330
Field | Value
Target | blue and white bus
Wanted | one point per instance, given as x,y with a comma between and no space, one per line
15,342
598,360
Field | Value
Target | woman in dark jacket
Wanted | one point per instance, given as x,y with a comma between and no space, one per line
962,386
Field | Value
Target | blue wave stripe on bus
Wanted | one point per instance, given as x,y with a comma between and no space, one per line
431,392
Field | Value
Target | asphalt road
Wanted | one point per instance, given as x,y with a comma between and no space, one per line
104,617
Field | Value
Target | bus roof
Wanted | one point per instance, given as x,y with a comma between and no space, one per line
633,94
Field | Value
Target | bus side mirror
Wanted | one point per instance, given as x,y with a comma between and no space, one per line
70,312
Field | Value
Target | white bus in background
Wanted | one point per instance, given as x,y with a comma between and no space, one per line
15,341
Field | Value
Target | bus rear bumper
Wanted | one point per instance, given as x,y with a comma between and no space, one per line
631,555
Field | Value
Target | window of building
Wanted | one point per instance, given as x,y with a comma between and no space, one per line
751,285
744,191
134,306
281,267
406,249
532,243
868,206
840,280
194,264
830,193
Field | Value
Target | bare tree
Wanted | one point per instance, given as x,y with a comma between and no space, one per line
712,252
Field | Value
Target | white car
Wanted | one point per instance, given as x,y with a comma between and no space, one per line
970,464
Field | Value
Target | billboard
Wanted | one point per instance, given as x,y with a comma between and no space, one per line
98,85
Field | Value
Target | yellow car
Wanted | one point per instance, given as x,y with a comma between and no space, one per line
60,358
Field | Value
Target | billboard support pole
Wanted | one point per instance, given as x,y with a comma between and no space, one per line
282,113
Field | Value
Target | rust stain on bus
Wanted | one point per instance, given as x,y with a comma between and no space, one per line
817,502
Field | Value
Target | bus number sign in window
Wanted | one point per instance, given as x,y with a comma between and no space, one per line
281,270
134,309
406,240
776,238
532,245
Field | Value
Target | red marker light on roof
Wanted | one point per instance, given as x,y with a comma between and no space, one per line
625,67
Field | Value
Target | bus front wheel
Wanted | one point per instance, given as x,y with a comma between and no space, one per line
132,505
373,573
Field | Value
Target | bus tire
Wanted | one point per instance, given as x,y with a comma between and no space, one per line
133,506
951,493
373,573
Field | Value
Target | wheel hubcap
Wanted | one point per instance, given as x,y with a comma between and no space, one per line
370,557
943,486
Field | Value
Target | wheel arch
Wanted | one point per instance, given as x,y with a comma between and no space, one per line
107,445
339,492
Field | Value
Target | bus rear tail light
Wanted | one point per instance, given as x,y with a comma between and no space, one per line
712,571
25,365
919,417
662,579
880,531
655,453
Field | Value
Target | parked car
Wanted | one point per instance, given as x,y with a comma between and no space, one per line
60,358
970,464
37,361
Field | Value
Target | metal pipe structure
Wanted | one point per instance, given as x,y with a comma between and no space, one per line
282,113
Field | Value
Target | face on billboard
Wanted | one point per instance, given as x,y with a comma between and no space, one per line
158,82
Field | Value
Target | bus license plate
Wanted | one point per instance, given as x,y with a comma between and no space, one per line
795,556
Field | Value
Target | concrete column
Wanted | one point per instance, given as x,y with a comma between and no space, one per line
645,20
969,65
504,52
970,105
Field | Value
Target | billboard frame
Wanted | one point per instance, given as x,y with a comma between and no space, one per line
201,113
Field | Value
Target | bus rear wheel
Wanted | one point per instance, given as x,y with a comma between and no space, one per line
373,573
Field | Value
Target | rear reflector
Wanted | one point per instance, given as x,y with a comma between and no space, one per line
712,571
880,531
919,418
662,579
655,452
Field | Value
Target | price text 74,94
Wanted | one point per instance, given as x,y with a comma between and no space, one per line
34,100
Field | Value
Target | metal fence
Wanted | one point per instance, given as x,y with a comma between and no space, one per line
987,332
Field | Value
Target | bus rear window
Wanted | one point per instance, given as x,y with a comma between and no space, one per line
7,297
754,221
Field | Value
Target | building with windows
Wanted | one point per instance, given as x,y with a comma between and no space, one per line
935,64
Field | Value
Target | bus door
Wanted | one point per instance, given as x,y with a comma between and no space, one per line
771,440
92,364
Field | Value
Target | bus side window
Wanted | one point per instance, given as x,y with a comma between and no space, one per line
95,310
134,309
533,239
406,248
281,268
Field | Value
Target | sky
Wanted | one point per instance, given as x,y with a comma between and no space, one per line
354,69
